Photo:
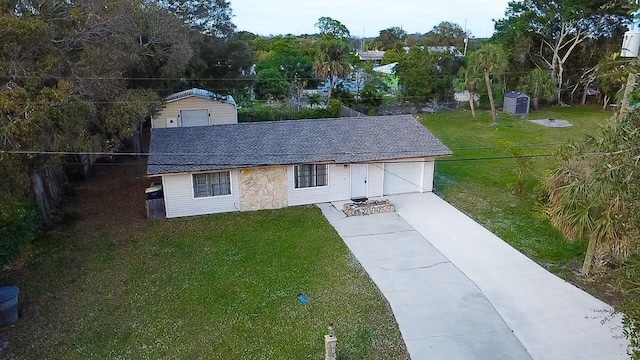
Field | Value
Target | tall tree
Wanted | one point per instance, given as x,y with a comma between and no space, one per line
211,17
333,28
446,34
332,56
331,60
556,28
73,78
418,73
391,38
467,79
489,58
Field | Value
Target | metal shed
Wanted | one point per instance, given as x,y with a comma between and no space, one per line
516,103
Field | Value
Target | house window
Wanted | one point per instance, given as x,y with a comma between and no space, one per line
310,175
212,184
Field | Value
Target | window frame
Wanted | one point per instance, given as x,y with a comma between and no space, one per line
193,185
179,118
314,176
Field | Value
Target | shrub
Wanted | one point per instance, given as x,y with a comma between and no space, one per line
18,225
275,113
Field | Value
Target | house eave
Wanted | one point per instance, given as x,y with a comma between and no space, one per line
426,157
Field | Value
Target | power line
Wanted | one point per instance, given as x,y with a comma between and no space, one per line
101,153
184,79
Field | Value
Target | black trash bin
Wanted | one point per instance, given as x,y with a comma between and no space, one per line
8,305
154,192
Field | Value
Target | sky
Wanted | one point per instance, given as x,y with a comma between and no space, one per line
368,17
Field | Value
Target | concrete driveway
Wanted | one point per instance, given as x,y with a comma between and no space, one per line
459,292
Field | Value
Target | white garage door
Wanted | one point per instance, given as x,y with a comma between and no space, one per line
400,178
194,117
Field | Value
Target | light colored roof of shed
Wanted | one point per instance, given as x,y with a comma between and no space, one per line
205,94
515,94
341,140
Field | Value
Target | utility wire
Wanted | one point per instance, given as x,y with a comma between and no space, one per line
183,79
99,153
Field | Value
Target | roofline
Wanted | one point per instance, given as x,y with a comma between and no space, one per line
430,157
201,97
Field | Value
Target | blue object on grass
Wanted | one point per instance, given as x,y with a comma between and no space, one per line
8,305
303,299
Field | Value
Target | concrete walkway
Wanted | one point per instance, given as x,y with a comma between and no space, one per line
460,292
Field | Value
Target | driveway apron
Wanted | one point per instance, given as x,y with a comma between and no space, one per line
441,313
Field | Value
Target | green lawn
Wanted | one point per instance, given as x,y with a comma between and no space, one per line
481,188
215,287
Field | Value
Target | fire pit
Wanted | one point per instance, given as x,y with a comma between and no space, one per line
368,207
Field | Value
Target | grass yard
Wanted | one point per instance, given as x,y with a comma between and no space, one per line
481,188
111,285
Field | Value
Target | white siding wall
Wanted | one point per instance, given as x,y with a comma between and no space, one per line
429,167
220,111
339,187
375,180
179,200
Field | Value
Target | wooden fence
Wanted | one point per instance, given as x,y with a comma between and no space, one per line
348,112
155,209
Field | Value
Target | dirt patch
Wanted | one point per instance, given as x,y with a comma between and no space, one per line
113,198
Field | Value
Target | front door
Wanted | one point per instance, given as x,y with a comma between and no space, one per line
358,181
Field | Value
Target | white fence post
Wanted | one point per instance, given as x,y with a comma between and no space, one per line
330,345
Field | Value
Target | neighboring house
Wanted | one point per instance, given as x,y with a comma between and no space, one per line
268,165
439,49
387,73
354,82
196,107
374,56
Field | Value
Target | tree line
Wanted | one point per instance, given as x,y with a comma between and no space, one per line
83,76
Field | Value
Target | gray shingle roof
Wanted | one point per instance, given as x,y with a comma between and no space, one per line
341,140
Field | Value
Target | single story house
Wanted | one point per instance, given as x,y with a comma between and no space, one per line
268,165
196,107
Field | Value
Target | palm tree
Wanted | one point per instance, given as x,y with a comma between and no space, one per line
595,197
332,60
314,99
539,83
467,80
490,58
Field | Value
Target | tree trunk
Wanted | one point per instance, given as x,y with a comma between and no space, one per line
560,74
625,106
536,102
40,193
494,115
330,87
472,97
588,258
137,143
472,104
605,102
584,94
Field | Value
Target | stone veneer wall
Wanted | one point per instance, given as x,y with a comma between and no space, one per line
368,207
263,188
